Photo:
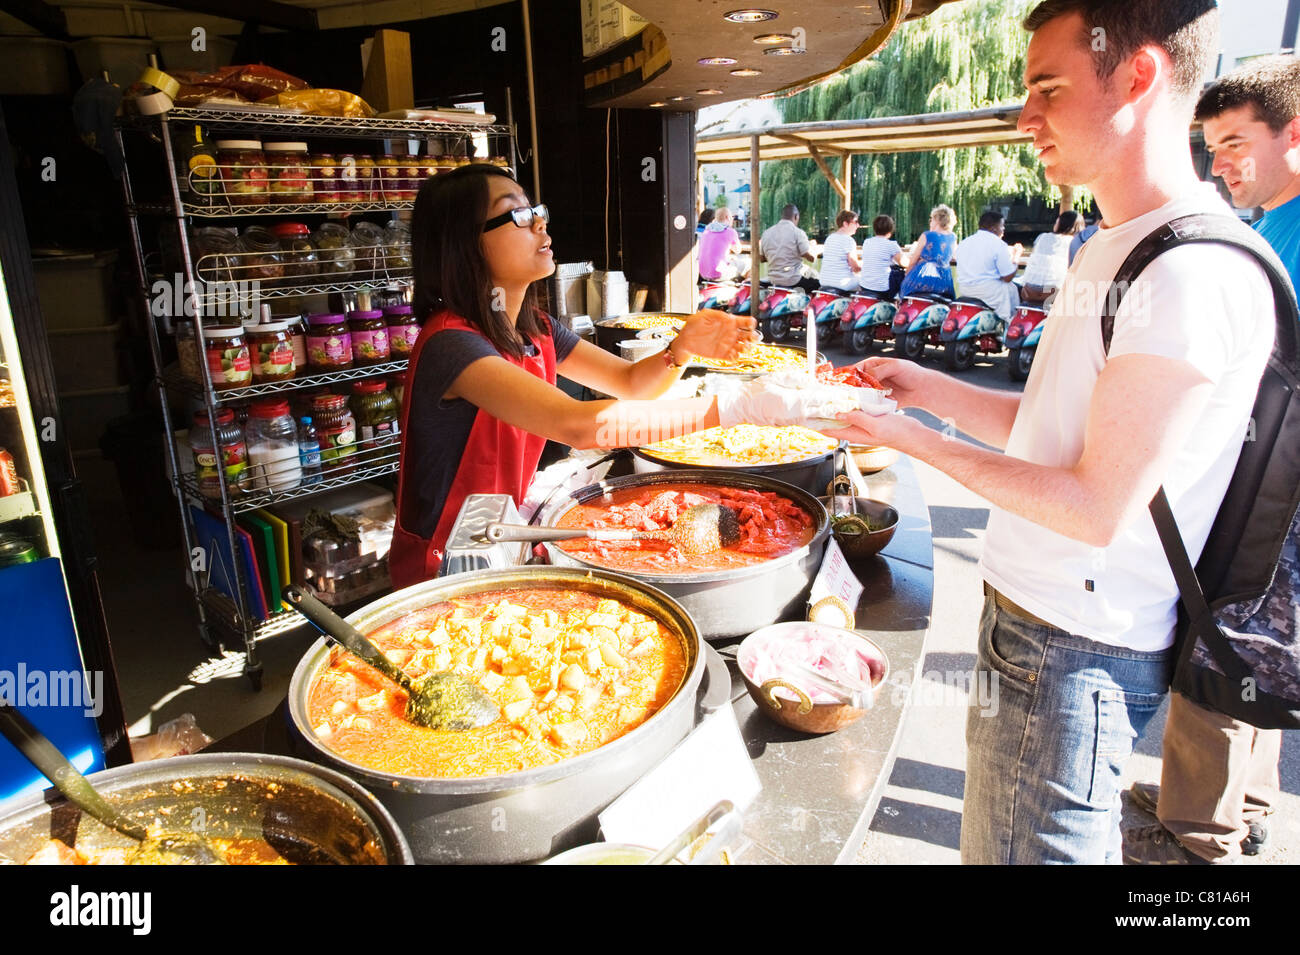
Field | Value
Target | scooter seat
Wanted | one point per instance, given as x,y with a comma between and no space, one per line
929,297
971,300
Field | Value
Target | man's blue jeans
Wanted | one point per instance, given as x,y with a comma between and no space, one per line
1043,769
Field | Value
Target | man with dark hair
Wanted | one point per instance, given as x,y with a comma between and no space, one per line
986,266
1219,776
785,247
1080,602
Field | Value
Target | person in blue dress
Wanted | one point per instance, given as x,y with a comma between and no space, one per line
931,256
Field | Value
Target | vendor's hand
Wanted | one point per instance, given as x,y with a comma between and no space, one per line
710,333
762,401
908,383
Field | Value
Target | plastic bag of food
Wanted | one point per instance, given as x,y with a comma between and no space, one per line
324,103
251,83
178,737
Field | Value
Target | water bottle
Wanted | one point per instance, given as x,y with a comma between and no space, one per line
309,451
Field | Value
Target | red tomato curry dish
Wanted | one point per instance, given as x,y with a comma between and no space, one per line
571,671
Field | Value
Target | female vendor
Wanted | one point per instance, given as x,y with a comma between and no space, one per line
481,399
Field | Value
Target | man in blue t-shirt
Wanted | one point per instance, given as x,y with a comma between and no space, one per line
1219,780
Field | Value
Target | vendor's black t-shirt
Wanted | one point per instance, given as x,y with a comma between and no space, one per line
437,430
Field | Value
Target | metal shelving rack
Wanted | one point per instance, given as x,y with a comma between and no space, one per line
217,610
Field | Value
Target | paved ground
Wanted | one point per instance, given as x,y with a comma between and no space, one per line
919,819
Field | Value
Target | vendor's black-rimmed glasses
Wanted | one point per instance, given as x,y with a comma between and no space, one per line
523,217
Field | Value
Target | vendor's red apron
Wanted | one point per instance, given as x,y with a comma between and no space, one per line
498,459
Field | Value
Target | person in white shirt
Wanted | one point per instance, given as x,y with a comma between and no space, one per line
986,266
840,255
785,248
884,263
1050,259
1080,602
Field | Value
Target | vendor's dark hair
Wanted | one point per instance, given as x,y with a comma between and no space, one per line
1187,30
1270,86
449,267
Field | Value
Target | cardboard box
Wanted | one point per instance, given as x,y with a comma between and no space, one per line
606,23
387,85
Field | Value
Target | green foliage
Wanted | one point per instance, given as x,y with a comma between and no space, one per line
967,55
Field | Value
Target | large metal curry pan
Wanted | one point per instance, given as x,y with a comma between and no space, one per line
310,814
812,474
528,815
611,331
723,603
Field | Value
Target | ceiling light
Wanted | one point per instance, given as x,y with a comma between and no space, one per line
783,51
716,61
749,15
747,72
768,38
677,99
659,103
709,92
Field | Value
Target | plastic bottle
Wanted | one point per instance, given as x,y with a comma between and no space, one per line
309,451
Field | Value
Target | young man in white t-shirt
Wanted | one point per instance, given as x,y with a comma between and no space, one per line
1081,604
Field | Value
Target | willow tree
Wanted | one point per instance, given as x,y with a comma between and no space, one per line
965,56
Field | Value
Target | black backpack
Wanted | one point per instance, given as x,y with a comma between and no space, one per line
1238,636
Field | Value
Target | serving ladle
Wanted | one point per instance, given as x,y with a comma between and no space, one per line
700,529
157,847
441,701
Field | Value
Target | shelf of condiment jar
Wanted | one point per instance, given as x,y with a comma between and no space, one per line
286,123
222,211
298,291
223,608
364,464
314,380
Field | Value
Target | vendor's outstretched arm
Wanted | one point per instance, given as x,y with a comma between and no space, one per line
1143,410
511,394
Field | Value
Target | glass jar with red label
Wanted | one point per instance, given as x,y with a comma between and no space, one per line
229,362
403,330
289,171
324,178
369,337
389,170
336,430
349,183
230,453
272,351
329,343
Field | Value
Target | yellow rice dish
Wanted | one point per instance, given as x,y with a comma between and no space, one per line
743,445
760,359
649,321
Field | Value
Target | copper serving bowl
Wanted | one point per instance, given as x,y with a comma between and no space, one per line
854,532
790,705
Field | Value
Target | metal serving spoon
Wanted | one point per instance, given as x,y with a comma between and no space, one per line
160,847
441,701
700,529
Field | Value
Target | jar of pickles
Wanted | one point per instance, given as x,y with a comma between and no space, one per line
335,258
336,430
324,178
367,242
397,249
389,169
375,411
243,171
260,260
229,362
289,171
329,343
369,337
403,330
296,251
229,454
272,351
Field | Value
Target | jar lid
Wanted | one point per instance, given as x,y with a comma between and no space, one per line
224,416
238,144
322,155
325,319
270,327
290,228
329,402
285,147
394,310
369,387
223,331
365,315
269,408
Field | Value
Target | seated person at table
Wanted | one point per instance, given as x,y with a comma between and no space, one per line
931,256
884,263
840,256
986,265
1050,258
785,248
720,249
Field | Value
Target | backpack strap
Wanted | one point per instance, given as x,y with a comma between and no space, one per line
1224,230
